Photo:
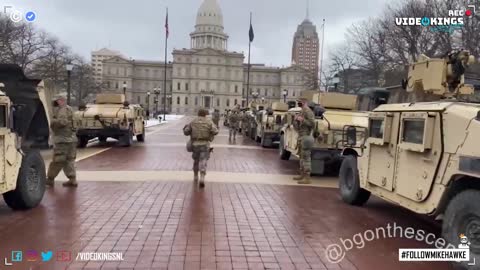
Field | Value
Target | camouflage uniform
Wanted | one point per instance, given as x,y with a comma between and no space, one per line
233,121
201,131
304,129
216,118
65,145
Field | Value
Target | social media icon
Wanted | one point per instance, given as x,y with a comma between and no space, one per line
16,15
47,256
30,16
64,256
17,256
31,255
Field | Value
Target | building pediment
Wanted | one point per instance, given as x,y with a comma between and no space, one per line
118,60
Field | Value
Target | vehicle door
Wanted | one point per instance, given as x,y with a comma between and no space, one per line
381,148
418,154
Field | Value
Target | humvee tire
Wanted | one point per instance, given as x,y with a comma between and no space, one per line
31,183
127,139
141,137
461,216
284,154
262,141
349,183
82,142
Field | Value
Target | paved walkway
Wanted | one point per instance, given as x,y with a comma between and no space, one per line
141,202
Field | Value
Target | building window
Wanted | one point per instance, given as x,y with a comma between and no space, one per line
236,88
116,85
196,101
186,86
108,85
294,93
265,92
178,86
146,99
235,102
138,99
178,100
186,100
228,102
218,102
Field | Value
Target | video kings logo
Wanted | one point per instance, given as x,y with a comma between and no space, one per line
454,18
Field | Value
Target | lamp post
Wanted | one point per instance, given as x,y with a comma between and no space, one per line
169,99
125,89
285,93
156,92
148,105
69,67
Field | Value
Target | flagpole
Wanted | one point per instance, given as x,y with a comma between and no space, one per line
321,57
165,77
248,67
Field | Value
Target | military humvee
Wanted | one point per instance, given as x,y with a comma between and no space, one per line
423,156
339,111
24,127
269,124
110,117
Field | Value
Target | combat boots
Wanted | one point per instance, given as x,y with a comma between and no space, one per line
202,180
50,182
306,178
195,176
70,183
300,175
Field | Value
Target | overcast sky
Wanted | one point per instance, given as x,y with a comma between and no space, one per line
136,28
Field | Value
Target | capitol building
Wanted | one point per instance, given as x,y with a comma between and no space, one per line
205,75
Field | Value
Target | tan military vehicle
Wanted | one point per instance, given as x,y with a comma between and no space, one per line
328,131
110,117
423,156
24,127
269,124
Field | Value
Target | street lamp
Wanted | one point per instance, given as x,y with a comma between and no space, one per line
285,93
125,89
156,92
148,105
69,67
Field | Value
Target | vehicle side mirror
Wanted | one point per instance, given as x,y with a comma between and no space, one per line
351,136
478,116
96,117
126,104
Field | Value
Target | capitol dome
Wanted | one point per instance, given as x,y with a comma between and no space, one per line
209,27
210,13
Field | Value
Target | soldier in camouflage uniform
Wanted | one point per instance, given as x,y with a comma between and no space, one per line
233,121
64,143
216,117
304,124
201,131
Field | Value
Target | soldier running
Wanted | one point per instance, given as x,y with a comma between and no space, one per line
304,124
201,131
64,143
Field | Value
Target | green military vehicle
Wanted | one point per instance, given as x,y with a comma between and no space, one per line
24,128
424,154
110,117
269,124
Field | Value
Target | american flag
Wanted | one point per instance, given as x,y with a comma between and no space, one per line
166,25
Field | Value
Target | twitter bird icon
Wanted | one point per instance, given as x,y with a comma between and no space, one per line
47,256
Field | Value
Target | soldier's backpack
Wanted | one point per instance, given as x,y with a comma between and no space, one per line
201,130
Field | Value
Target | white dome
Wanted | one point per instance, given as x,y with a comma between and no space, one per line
210,13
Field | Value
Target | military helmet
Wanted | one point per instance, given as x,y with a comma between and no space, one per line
59,96
202,112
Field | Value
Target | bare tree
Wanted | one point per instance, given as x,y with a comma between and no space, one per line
343,61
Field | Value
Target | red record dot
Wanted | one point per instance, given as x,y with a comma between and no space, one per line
468,12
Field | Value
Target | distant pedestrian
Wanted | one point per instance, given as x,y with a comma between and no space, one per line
201,131
64,143
216,117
